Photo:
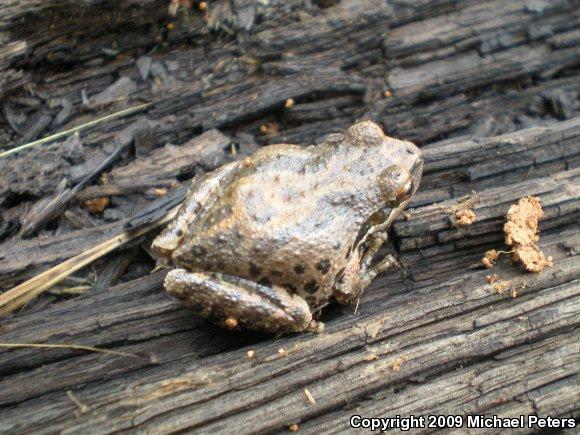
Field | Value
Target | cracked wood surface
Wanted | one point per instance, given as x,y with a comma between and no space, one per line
440,319
488,89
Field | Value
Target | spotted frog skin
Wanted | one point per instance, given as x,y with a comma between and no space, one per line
265,242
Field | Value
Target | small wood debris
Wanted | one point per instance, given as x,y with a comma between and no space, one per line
270,128
522,234
462,214
175,5
492,278
282,352
117,91
371,357
231,323
500,286
490,258
250,354
97,205
289,103
293,427
465,217
309,396
159,192
397,362
82,407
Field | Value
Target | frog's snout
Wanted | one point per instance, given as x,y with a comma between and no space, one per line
416,171
417,168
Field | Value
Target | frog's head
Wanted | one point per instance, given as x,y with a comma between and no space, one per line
392,171
396,165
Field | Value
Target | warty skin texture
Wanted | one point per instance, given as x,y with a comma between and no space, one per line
264,242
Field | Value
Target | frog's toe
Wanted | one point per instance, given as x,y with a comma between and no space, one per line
237,303
370,272
315,326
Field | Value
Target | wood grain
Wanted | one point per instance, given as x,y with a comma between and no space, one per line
489,90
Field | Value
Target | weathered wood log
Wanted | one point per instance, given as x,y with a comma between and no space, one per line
424,227
206,150
425,303
436,224
550,367
519,162
489,89
195,65
464,320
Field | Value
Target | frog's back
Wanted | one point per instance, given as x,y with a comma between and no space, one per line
284,220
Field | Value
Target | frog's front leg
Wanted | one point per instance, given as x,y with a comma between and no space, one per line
369,270
361,269
239,303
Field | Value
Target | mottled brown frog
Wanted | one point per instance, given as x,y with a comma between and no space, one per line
265,242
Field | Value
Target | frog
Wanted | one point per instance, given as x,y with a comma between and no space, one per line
264,243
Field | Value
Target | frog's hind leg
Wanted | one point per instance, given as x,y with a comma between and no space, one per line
239,303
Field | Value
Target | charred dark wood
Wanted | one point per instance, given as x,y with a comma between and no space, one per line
520,161
50,208
20,258
469,325
456,323
172,162
489,89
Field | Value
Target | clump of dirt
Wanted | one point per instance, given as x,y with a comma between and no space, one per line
500,286
97,205
462,214
490,258
521,234
464,217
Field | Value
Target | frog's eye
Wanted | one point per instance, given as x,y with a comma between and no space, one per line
405,191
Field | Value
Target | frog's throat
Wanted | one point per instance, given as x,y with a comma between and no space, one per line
384,226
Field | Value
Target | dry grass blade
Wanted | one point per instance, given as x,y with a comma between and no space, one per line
78,128
22,294
46,209
65,346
